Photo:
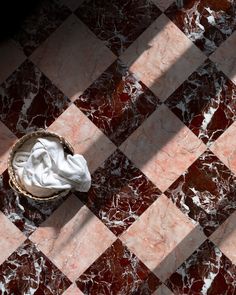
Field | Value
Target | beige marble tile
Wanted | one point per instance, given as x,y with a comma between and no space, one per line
7,139
163,4
73,290
11,56
73,57
163,237
225,57
69,237
163,57
163,290
163,147
11,237
225,237
225,147
84,136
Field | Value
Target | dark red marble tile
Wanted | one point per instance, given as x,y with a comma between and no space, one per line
43,19
117,102
25,213
119,22
29,271
118,271
206,271
206,192
120,193
205,102
29,100
207,23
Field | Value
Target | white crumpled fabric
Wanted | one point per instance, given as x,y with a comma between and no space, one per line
43,168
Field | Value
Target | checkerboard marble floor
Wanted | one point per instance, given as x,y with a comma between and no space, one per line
146,91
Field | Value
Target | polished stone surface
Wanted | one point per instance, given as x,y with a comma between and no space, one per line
117,23
146,91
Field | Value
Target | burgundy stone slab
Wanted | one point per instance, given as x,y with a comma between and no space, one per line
205,102
206,192
206,271
118,23
117,102
43,20
118,271
207,23
25,213
29,100
29,271
120,193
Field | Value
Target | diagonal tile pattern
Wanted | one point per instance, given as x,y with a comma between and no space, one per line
206,271
159,140
73,229
33,272
225,148
155,236
45,17
117,102
225,237
207,23
73,290
120,271
120,193
163,57
155,79
84,136
224,57
117,23
205,102
11,237
163,290
29,100
162,4
25,213
205,192
84,61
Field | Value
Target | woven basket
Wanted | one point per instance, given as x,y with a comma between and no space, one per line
12,179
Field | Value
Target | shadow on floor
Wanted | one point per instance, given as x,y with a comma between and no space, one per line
11,30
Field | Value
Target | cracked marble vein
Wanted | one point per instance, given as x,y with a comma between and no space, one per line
205,102
205,192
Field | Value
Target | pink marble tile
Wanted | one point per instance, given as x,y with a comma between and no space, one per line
7,139
225,147
225,237
69,237
163,237
225,57
163,290
85,137
163,57
11,237
11,56
73,57
163,147
163,4
73,290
